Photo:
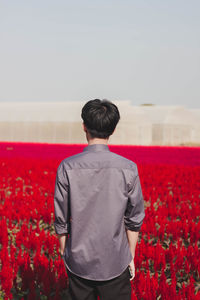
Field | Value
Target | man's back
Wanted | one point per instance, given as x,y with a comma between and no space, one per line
103,197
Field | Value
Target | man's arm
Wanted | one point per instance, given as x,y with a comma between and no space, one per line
134,213
132,237
62,241
132,240
61,208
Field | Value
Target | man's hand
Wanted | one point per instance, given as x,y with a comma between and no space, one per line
132,269
132,239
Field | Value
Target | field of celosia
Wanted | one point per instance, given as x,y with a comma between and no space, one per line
167,254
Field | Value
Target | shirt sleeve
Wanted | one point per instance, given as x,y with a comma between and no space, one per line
61,202
134,214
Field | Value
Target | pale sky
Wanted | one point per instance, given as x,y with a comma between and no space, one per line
61,50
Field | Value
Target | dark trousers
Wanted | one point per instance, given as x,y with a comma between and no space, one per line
118,288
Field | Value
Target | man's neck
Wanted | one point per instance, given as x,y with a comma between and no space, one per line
97,141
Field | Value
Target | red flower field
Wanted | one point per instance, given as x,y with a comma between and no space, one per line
167,254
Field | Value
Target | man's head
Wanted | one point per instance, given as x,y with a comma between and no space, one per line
100,118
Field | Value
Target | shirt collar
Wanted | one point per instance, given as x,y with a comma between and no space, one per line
96,148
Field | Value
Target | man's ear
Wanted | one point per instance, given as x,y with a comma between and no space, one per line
113,131
84,127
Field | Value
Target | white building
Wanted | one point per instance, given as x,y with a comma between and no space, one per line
60,122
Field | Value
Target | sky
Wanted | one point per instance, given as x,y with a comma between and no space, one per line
145,51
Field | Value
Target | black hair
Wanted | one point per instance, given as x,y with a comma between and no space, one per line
100,117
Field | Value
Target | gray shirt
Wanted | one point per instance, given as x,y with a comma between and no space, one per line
97,195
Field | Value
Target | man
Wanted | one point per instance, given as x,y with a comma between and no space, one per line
99,205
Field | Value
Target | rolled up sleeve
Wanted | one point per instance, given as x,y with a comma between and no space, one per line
61,203
134,214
